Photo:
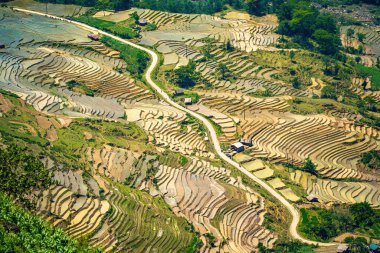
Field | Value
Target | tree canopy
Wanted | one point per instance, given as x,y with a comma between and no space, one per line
299,19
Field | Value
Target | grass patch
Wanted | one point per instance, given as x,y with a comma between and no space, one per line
305,105
137,60
367,71
123,29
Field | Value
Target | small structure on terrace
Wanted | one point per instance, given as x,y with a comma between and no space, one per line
179,93
238,147
142,22
374,248
2,45
93,36
187,101
342,248
312,198
246,142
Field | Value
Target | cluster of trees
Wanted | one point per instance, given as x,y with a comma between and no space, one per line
185,76
285,245
372,159
322,224
308,27
21,231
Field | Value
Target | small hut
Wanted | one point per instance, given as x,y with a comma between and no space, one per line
179,93
238,147
187,101
2,45
246,142
312,198
342,248
142,22
93,36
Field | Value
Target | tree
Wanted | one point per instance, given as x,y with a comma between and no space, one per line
357,245
185,76
361,37
296,83
229,46
135,16
103,5
350,32
310,167
362,214
223,70
292,54
328,92
21,173
328,43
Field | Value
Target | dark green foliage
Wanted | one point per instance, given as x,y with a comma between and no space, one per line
371,159
223,71
296,83
188,6
7,93
363,215
185,76
304,23
22,232
322,224
309,166
284,245
357,245
21,173
137,60
329,92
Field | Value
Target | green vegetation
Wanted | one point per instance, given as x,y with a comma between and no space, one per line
137,60
21,174
80,87
306,25
371,159
125,29
373,72
21,231
357,245
185,76
321,224
188,94
287,246
308,166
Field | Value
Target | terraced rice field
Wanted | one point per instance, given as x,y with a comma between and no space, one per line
38,66
246,35
76,205
213,207
167,128
330,191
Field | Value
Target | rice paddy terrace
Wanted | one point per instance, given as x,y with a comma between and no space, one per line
141,175
254,102
135,174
